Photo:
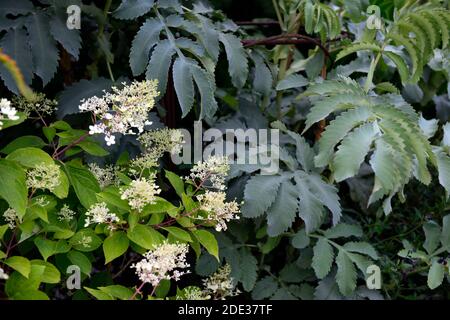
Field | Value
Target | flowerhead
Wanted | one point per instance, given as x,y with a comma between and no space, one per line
219,211
140,192
11,217
220,284
3,275
44,176
167,261
99,213
7,112
214,169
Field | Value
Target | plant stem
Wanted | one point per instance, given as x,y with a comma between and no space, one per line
56,155
137,291
371,73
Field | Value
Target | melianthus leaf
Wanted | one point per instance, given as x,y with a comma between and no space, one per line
132,9
323,258
159,65
346,273
259,194
237,59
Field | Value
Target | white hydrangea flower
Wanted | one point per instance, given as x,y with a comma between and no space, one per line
3,275
11,217
140,193
44,176
166,261
219,211
220,284
99,213
7,112
214,169
105,176
66,214
123,110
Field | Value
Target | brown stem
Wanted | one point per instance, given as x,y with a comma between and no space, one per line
137,291
56,155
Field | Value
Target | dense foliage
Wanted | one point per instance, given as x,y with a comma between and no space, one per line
91,119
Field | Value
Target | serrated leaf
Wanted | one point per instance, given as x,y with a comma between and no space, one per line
43,46
237,59
264,288
346,274
352,151
355,47
259,194
292,81
343,230
143,42
69,39
361,247
432,236
323,258
184,84
283,211
132,9
159,65
207,87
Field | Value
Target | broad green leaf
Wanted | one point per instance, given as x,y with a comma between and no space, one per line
179,233
115,245
13,187
48,248
84,183
176,182
20,264
145,236
79,259
85,240
30,157
23,142
118,291
93,148
207,240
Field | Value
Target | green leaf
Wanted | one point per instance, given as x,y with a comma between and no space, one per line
355,47
79,259
264,288
20,264
436,275
176,182
361,247
344,230
432,236
323,258
292,81
443,166
445,236
259,194
117,291
30,157
263,78
70,39
352,151
346,274
50,272
98,294
43,46
62,190
93,148
15,43
13,187
132,9
23,142
208,241
160,62
48,248
85,240
184,84
115,245
144,41
400,63
237,59
145,236
300,240
179,233
249,269
84,183
283,211
207,87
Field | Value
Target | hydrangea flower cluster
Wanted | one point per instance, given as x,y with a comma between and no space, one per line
40,105
11,217
194,293
66,214
219,211
7,112
3,275
140,192
214,169
122,110
220,284
99,213
44,176
166,261
105,176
